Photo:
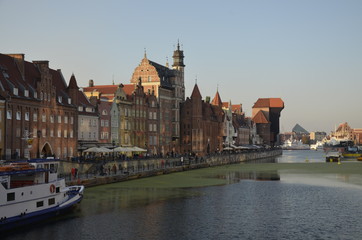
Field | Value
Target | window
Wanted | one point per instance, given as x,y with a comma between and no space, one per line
8,114
43,117
35,117
52,118
44,132
26,93
59,133
18,115
69,101
35,132
35,95
102,123
59,119
106,124
71,120
26,116
40,204
15,91
154,115
65,133
11,196
104,112
65,119
51,201
80,108
51,133
60,99
71,133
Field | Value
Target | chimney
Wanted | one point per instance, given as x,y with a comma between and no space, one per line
43,65
19,59
91,83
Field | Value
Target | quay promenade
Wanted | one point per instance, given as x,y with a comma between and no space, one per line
105,172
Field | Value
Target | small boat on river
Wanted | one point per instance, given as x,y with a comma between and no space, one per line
333,157
31,191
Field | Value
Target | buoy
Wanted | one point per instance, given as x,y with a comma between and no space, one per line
52,188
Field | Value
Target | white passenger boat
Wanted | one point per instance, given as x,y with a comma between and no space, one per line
31,191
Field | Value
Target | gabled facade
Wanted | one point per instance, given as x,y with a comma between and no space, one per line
266,114
168,86
201,125
40,111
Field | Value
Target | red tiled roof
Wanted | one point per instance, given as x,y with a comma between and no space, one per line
225,104
269,102
260,117
236,107
217,100
103,89
128,88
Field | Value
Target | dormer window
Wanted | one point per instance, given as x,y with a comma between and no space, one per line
26,93
60,99
69,101
15,91
35,95
80,108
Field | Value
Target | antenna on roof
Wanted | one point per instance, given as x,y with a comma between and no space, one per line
145,55
112,79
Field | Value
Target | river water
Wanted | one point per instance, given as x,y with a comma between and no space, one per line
237,205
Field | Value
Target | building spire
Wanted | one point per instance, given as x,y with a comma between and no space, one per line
145,54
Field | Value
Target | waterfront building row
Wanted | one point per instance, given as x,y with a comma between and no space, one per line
41,115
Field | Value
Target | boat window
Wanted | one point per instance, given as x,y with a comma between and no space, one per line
11,196
53,168
40,204
51,201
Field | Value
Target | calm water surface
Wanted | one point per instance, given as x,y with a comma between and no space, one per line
299,206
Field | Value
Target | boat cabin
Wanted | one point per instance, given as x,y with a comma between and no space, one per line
31,172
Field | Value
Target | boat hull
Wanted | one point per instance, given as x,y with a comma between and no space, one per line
38,216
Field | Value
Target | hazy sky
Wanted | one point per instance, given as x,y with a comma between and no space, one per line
309,53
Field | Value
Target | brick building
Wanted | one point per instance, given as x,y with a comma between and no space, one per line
40,118
266,114
201,125
168,86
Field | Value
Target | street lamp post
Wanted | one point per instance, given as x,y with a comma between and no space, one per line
113,144
38,133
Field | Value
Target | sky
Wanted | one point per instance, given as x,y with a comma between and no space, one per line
309,53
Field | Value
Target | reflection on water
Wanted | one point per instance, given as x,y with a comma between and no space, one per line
299,206
234,176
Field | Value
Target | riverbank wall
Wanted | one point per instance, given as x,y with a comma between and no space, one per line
98,173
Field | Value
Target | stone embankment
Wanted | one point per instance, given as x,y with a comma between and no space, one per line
98,173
